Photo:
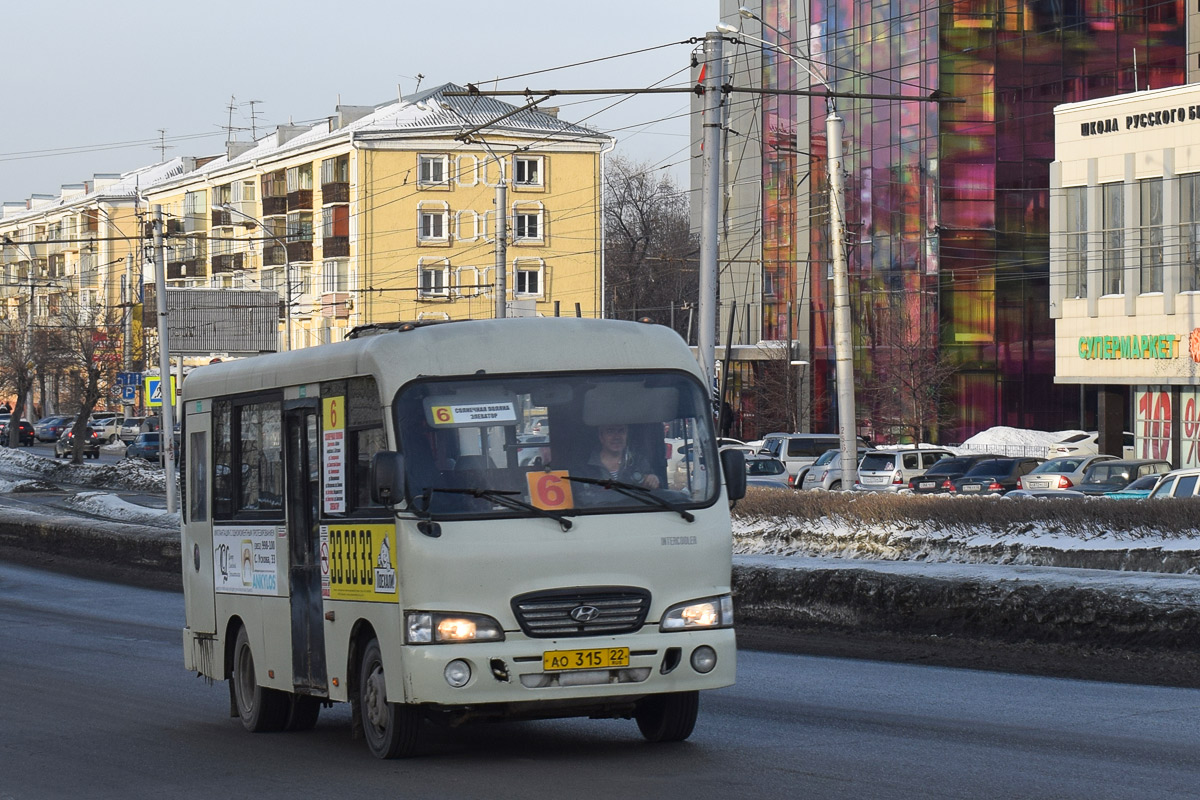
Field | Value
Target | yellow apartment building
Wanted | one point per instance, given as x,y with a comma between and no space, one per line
388,213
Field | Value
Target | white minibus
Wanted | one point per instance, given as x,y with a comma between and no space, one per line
371,522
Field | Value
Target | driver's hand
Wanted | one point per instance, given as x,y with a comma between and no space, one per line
650,482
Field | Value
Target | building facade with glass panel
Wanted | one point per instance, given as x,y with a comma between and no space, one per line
1125,264
947,203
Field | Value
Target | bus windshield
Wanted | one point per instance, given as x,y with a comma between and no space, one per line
568,443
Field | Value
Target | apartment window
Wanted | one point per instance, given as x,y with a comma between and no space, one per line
433,280
300,226
1112,276
335,221
1151,227
222,194
1075,257
527,170
432,224
299,178
1189,232
195,211
433,171
335,170
335,276
244,192
527,278
527,225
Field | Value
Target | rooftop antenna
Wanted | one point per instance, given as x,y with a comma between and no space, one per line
253,118
420,78
162,146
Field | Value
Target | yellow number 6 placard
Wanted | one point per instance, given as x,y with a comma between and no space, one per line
550,490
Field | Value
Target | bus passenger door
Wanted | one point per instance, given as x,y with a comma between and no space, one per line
304,565
197,549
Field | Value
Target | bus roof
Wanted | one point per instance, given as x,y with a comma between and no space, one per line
515,345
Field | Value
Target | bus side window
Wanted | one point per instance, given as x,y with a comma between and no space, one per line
366,443
198,477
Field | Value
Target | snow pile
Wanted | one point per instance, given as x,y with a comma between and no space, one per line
132,475
109,506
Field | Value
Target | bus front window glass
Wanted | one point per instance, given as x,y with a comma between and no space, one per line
571,443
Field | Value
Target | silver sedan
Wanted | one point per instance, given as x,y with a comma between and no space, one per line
1064,472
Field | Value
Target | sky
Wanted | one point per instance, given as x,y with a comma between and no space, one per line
91,85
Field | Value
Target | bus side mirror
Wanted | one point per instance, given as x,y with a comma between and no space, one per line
733,466
387,477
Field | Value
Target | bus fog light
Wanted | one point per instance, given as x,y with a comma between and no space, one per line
458,672
704,659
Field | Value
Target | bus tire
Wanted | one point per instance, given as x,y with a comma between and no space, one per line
303,712
262,710
389,728
667,717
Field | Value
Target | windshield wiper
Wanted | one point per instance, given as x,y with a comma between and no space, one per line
636,492
506,499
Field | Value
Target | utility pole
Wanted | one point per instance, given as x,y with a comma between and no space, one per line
501,243
167,436
843,350
706,336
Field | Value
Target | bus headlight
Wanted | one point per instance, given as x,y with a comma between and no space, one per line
446,627
711,612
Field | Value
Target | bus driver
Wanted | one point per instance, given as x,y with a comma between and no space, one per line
613,460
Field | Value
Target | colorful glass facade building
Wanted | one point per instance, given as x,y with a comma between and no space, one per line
946,203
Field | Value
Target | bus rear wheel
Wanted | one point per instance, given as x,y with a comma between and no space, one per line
262,710
389,728
667,717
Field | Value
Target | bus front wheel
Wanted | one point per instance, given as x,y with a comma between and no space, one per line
389,728
667,717
262,710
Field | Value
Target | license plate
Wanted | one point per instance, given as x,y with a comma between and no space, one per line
926,485
972,487
874,479
1038,484
602,658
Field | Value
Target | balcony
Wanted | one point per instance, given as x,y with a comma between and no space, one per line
335,246
274,206
274,255
335,305
174,227
300,199
335,192
230,262
300,251
221,218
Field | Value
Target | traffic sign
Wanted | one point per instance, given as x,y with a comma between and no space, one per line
154,395
129,393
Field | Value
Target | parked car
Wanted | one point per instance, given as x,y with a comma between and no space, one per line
1065,472
800,450
1177,483
1085,444
63,447
106,426
26,432
940,478
766,471
130,428
1114,475
48,429
891,470
826,472
1138,490
996,475
147,446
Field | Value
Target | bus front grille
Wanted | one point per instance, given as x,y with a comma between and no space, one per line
587,611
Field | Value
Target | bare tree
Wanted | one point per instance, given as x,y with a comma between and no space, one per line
649,248
903,393
17,365
87,340
778,403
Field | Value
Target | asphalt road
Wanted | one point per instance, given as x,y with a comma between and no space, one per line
97,704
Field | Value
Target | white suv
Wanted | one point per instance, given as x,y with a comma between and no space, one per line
891,469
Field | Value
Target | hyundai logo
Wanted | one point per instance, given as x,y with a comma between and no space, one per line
584,613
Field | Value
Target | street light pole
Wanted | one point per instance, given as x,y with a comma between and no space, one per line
287,268
167,436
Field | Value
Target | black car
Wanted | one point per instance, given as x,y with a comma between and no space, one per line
995,475
64,447
25,427
940,478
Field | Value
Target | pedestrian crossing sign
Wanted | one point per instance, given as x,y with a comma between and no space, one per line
153,387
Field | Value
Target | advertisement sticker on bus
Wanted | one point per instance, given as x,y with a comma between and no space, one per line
245,561
357,562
